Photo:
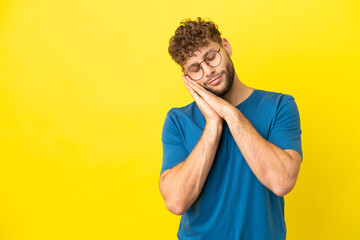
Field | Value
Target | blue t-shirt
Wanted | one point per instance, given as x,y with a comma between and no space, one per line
233,204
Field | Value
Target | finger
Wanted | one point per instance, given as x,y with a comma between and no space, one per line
194,94
200,91
198,87
211,99
186,79
205,94
202,104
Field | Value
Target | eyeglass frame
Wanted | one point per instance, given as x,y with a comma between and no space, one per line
199,65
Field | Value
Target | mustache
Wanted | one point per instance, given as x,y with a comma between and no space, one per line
215,76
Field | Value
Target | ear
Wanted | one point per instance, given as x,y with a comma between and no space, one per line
226,45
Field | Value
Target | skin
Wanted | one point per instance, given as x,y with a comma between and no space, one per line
275,168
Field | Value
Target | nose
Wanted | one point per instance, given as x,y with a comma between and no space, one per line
208,71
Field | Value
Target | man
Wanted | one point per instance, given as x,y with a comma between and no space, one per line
230,156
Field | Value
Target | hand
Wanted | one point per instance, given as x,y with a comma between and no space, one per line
219,105
210,115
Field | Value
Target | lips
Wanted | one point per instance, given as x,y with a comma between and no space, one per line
215,80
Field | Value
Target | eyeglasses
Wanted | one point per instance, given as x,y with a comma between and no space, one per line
212,59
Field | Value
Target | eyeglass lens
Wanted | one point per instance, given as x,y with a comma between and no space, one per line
212,59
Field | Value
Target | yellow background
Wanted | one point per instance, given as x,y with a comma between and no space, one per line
85,87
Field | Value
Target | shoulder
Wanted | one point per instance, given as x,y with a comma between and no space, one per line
185,118
180,118
179,112
282,107
273,96
274,99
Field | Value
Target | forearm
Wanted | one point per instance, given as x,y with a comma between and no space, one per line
181,185
271,165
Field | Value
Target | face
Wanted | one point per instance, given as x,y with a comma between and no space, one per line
218,80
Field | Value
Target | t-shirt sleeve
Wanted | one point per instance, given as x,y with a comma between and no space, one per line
174,150
286,130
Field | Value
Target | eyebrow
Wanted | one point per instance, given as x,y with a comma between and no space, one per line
193,64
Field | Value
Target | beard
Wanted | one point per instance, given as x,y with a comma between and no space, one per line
229,80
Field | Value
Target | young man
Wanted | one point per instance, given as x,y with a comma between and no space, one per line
230,156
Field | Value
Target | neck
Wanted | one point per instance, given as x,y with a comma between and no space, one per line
238,93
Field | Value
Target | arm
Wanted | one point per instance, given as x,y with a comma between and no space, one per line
275,168
181,185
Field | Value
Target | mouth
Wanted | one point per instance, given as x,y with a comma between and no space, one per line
215,81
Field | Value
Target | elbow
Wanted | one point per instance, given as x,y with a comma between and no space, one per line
284,187
175,208
173,200
285,182
174,205
281,192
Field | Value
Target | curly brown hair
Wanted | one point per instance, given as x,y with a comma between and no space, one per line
190,36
